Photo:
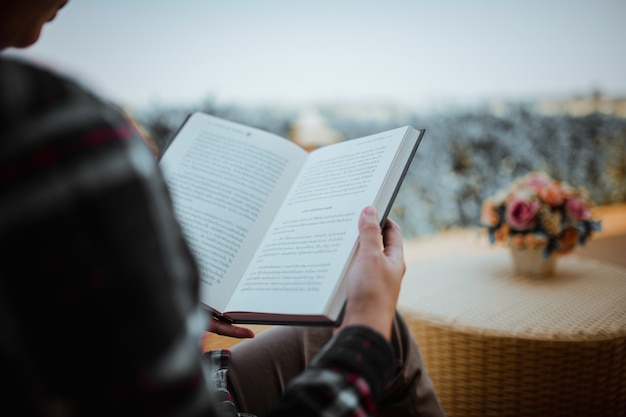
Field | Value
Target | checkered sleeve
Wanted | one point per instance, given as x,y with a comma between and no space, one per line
345,379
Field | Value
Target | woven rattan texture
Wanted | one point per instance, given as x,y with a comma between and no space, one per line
477,375
500,344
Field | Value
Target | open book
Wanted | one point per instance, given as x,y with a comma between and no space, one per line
272,226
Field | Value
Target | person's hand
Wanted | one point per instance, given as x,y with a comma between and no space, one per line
228,329
375,275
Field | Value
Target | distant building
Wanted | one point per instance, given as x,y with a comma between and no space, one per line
582,106
311,131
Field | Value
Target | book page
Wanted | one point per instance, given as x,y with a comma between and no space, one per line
315,232
227,182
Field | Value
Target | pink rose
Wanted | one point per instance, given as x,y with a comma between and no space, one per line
577,209
537,180
521,212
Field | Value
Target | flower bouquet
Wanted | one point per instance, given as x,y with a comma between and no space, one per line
540,215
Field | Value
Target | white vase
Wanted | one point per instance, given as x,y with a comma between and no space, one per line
531,261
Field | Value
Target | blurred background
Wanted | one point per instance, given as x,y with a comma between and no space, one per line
501,87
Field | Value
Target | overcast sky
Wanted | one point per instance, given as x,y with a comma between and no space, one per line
270,51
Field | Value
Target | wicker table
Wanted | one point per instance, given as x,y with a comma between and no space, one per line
500,344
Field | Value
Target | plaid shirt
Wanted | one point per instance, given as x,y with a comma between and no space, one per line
99,291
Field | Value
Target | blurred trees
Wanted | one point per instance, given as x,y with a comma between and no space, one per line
465,156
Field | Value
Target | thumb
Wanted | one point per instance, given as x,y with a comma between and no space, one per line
370,233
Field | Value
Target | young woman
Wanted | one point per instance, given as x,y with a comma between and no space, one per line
99,291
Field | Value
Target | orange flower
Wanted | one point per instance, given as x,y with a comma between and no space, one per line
488,215
551,194
517,240
502,233
567,241
534,240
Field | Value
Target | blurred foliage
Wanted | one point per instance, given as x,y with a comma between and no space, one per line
466,155
161,122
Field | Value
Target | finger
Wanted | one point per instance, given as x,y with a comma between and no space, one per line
227,329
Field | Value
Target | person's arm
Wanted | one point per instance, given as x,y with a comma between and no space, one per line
101,289
349,374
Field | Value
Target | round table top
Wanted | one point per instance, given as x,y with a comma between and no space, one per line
481,292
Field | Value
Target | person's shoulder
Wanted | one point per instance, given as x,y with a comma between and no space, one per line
25,84
35,94
44,112
31,87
